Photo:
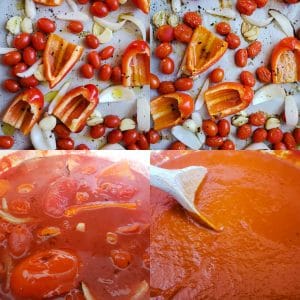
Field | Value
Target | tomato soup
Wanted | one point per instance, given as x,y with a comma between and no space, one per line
74,226
254,196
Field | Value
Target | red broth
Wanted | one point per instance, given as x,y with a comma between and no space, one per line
66,232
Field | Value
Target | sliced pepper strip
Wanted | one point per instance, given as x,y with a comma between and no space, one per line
49,2
171,109
143,5
204,50
136,64
227,98
25,110
285,61
59,58
75,107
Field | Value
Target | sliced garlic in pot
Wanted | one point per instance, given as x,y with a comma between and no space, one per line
239,120
127,124
272,122
95,118
160,18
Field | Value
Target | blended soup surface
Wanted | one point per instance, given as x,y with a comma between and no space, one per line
255,197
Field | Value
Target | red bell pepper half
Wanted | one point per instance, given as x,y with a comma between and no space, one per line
136,64
25,110
143,5
285,61
74,108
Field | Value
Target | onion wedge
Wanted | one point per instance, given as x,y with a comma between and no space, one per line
4,50
283,22
30,9
143,114
114,26
72,5
116,93
31,70
256,21
140,25
186,137
291,111
86,292
14,220
257,146
74,16
105,36
42,140
60,94
176,5
200,97
76,209
222,12
267,93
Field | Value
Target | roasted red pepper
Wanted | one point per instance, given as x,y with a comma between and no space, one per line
136,64
227,98
49,2
59,58
171,109
143,5
74,108
285,61
25,110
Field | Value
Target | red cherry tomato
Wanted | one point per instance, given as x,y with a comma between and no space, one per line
87,71
130,137
65,144
233,40
289,141
223,128
247,78
62,131
94,59
214,141
112,121
167,65
184,84
154,81
142,142
262,3
166,87
246,7
223,28
75,26
152,136
254,48
279,146
97,131
112,4
259,135
107,52
11,85
192,19
105,72
82,147
21,40
114,136
121,258
29,56
264,74
19,241
38,41
274,135
296,135
244,132
132,147
183,33
257,118
83,1
46,25
177,146
241,57
11,58
99,9
210,128
116,75
30,81
163,50
216,75
165,33
6,142
227,145
18,68
92,41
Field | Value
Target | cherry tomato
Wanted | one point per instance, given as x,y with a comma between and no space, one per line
223,128
154,81
18,68
165,33
254,48
214,141
246,7
121,258
83,1
167,65
114,136
65,144
107,52
216,75
75,26
105,72
116,75
244,132
132,147
112,4
74,294
30,81
112,121
46,25
99,9
62,131
257,118
261,3
97,131
227,145
58,268
142,142
21,40
177,146
210,128
166,87
192,19
29,56
291,1
264,75
275,135
19,241
223,28
279,146
87,71
11,85
289,141
94,59
152,136
296,135
163,50
130,137
38,41
6,142
184,84
241,57
92,41
247,78
233,40
259,135
82,147
183,33
11,58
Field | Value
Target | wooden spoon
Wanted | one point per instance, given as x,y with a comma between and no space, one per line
182,184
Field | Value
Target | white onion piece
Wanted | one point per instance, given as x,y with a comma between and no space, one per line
9,40
31,70
105,36
186,137
197,118
291,111
39,73
116,93
190,125
267,93
201,137
42,140
86,292
14,220
60,94
4,204
26,25
222,12
13,25
112,147
257,21
139,24
176,5
200,97
72,5
30,9
48,123
74,16
257,146
4,50
143,114
114,26
283,22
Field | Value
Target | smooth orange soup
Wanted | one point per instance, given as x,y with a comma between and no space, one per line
256,197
